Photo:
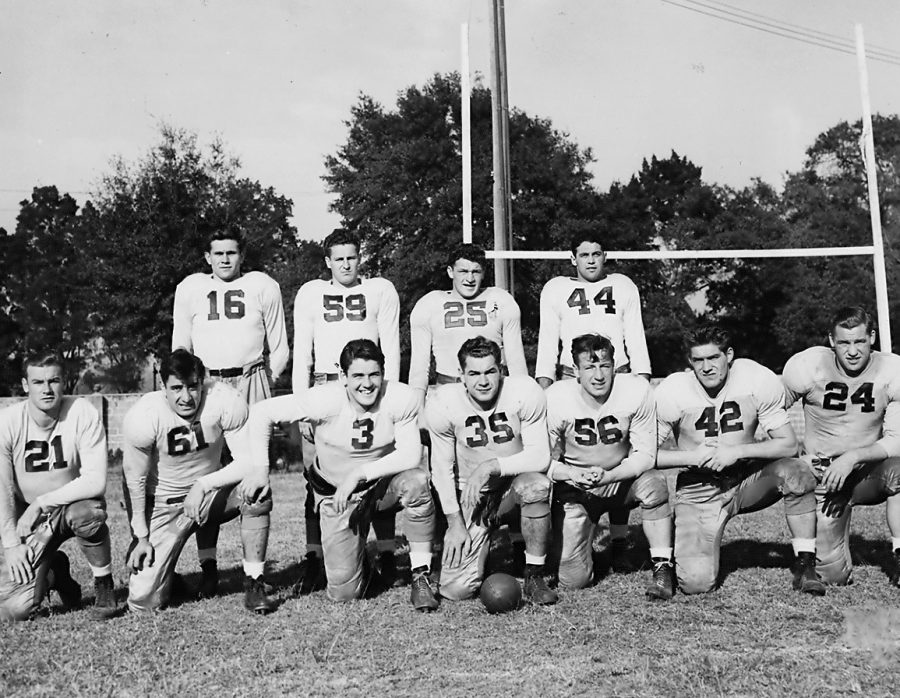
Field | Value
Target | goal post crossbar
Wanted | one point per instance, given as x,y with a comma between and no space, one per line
693,254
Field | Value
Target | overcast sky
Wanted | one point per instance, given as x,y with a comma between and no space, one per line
84,80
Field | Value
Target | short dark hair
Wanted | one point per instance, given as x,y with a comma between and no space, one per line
468,251
340,236
594,235
43,359
851,316
478,348
364,349
230,231
592,344
182,364
707,333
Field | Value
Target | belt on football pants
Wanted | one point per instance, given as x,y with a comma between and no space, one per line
569,372
235,371
327,377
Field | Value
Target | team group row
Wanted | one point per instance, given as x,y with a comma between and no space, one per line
597,441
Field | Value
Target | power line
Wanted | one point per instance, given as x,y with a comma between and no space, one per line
783,31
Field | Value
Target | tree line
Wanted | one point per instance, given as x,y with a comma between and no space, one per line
97,280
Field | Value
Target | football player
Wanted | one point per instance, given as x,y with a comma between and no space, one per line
176,482
593,301
489,456
227,318
367,458
712,413
851,407
52,484
442,320
603,435
327,315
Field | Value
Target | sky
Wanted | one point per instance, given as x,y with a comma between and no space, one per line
84,81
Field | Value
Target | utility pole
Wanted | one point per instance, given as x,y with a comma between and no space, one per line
500,135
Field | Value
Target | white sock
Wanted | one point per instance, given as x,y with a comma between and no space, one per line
101,571
534,559
662,553
313,548
254,570
803,545
386,546
206,554
618,531
420,558
895,543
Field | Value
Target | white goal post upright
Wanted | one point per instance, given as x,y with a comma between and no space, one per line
881,295
465,89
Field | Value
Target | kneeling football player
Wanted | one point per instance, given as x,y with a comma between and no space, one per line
603,431
489,457
713,411
367,461
172,464
851,405
52,482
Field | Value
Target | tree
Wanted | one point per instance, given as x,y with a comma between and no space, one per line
149,226
44,292
399,185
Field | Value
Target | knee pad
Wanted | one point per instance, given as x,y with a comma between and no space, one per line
797,477
696,576
457,590
531,489
86,518
653,493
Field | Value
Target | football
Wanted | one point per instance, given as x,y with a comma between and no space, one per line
500,593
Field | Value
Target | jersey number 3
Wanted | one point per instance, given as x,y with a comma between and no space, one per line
499,426
37,456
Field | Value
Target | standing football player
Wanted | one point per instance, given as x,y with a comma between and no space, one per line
52,484
367,460
327,315
442,320
712,412
489,457
603,435
176,483
228,318
851,407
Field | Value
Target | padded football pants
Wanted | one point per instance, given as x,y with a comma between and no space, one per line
151,588
703,508
871,484
530,492
84,520
576,513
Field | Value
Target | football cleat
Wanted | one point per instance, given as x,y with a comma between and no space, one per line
209,579
68,589
623,556
535,587
894,576
805,577
662,584
422,594
312,576
255,598
180,589
105,605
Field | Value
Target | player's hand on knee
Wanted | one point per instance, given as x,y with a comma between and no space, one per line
835,503
20,561
28,519
457,543
477,481
835,475
341,497
194,501
142,556
254,487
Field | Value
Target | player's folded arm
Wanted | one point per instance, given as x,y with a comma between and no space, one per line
407,453
535,454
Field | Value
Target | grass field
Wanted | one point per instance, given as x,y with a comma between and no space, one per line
751,637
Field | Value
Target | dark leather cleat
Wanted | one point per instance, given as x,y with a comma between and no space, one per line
623,556
662,584
255,598
105,605
68,589
805,577
535,587
209,579
422,594
312,576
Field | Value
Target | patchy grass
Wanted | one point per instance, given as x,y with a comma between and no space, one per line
752,637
